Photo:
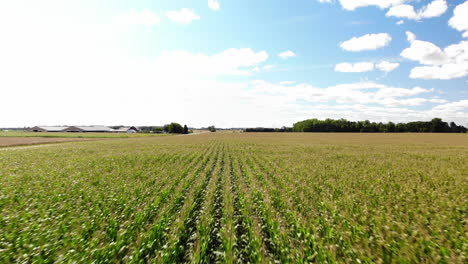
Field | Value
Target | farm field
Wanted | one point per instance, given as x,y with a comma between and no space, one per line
21,141
238,198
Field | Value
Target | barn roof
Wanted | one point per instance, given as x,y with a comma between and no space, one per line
94,128
52,128
124,129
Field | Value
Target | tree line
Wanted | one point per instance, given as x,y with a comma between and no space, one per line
266,129
172,128
436,125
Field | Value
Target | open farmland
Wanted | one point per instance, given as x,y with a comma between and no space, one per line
236,198
21,141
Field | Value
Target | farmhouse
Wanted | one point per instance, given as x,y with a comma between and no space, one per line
88,129
47,129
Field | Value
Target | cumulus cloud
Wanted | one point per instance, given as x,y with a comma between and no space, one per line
214,5
355,101
425,53
287,82
406,11
410,36
443,72
384,66
353,4
459,20
293,102
264,68
367,42
134,17
354,67
229,62
182,16
362,92
453,106
387,66
287,54
449,63
400,22
434,9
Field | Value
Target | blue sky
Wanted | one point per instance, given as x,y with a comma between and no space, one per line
232,63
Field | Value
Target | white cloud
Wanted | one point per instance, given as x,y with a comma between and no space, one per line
443,72
260,103
182,16
425,53
363,93
287,54
214,5
263,68
410,36
288,82
367,42
350,101
229,62
389,92
386,66
134,17
453,106
406,11
434,9
354,67
459,20
452,62
400,22
353,4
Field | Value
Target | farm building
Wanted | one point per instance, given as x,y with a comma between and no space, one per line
47,129
95,129
131,129
88,129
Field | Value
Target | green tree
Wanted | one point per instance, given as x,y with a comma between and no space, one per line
185,129
212,128
437,125
174,128
391,127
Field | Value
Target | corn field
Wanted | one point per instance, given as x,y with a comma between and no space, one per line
238,198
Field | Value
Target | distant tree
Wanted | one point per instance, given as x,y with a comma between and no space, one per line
212,128
391,127
437,125
342,125
185,129
267,129
174,128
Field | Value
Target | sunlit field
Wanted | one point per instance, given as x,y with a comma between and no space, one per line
238,198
